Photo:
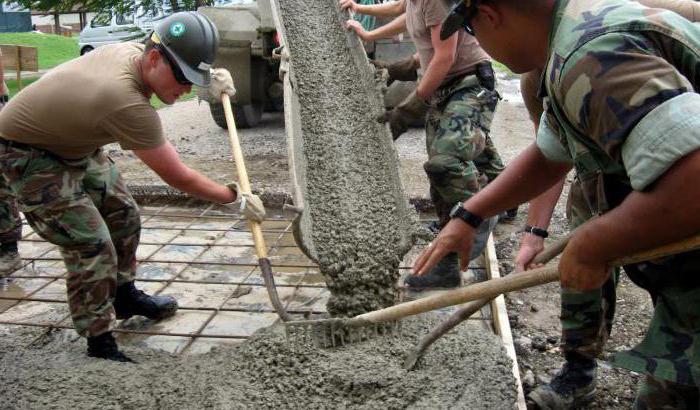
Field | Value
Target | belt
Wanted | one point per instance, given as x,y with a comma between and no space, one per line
483,71
15,144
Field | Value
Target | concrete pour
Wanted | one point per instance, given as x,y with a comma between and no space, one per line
466,369
356,213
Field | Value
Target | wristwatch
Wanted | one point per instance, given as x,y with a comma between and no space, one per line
471,219
4,98
542,233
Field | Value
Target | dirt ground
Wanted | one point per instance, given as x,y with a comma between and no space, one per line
534,313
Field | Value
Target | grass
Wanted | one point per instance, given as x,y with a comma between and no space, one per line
53,49
12,84
158,104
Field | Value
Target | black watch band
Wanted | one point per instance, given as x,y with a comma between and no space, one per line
471,219
4,98
542,233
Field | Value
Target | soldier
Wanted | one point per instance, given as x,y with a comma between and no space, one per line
9,257
578,376
71,193
619,90
457,92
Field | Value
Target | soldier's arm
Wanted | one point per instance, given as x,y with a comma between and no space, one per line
391,29
527,176
389,9
165,161
689,9
619,92
439,65
667,212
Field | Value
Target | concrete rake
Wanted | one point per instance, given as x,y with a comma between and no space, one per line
339,331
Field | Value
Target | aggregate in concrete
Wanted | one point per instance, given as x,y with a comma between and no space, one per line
466,369
356,223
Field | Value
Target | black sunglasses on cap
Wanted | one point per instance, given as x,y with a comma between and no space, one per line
177,73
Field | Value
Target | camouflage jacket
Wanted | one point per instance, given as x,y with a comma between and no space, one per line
620,103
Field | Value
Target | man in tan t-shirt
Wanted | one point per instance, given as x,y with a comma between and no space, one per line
457,91
71,193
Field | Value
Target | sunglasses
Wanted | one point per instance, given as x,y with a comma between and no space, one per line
459,17
177,73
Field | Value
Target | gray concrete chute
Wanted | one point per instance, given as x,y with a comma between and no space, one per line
355,219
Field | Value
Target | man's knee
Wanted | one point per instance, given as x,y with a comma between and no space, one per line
454,179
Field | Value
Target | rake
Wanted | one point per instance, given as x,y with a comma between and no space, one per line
339,331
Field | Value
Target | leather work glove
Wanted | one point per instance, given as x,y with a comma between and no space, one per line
221,82
411,109
248,204
403,70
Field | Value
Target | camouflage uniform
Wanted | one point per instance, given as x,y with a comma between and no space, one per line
586,323
620,103
82,206
461,155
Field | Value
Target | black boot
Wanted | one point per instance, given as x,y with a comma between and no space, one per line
9,259
130,301
105,347
573,385
445,274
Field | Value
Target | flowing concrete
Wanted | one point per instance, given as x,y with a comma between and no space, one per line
356,222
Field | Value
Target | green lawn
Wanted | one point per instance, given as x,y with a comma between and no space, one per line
53,49
12,84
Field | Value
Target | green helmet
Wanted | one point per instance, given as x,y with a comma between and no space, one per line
189,40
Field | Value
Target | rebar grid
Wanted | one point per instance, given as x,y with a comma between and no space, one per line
194,260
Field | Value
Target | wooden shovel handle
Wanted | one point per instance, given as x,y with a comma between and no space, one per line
243,182
553,250
494,287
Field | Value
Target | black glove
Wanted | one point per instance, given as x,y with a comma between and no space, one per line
411,109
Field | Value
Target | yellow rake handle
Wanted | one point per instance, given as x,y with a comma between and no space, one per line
243,181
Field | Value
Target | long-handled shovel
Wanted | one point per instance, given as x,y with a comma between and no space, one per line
332,329
244,184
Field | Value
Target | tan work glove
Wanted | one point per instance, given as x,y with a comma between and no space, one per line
404,70
248,204
411,109
221,82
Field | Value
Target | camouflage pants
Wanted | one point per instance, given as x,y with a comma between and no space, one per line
586,317
461,155
661,394
84,207
10,221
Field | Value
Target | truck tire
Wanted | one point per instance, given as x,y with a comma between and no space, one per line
246,116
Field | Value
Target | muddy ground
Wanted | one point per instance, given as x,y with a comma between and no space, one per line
534,313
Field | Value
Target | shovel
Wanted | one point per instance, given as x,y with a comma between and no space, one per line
255,229
358,327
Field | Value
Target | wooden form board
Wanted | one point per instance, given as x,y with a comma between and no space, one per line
500,320
28,57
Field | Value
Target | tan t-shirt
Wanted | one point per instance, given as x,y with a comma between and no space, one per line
84,104
421,15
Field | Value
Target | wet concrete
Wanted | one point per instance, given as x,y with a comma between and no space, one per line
356,222
467,369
